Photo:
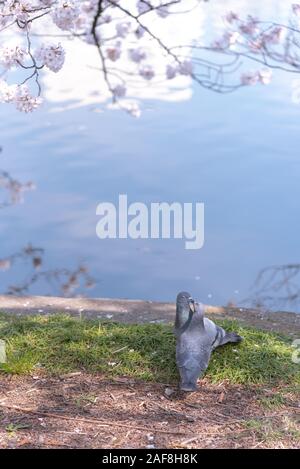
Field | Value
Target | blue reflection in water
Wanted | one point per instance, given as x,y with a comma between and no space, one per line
239,154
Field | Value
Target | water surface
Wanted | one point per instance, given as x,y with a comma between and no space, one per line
239,154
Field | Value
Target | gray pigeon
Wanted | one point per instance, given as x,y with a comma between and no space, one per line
197,337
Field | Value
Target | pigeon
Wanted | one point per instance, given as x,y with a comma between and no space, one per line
196,337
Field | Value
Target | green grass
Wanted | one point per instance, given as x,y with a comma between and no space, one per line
269,430
60,344
273,402
12,428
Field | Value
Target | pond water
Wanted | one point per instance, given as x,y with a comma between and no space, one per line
237,153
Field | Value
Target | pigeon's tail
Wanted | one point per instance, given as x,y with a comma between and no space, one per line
188,386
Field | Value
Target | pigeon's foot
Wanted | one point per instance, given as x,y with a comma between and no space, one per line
188,387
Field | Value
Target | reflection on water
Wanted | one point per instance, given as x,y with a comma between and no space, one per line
238,154
12,190
277,287
60,281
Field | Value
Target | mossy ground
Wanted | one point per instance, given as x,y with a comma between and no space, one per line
60,343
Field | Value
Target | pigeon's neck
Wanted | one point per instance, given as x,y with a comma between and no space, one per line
198,319
183,317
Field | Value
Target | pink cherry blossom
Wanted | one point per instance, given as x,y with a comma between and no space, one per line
122,29
65,14
171,71
186,67
296,9
249,26
143,6
24,101
53,56
147,72
249,78
11,56
265,76
137,55
133,109
231,17
114,52
119,91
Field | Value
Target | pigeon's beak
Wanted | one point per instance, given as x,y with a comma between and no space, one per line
192,305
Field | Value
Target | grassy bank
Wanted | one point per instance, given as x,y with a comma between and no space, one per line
62,344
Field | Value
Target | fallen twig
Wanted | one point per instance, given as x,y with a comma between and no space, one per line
100,422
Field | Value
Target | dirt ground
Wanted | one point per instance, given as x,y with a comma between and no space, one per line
79,410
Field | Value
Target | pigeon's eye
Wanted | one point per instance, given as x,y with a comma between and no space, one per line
192,304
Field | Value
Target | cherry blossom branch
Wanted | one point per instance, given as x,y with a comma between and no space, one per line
272,45
98,45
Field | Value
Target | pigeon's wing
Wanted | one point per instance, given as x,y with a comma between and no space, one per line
228,337
219,336
214,334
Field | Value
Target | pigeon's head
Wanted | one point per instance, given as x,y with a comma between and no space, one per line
185,303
